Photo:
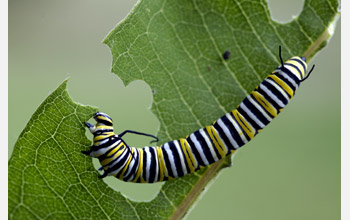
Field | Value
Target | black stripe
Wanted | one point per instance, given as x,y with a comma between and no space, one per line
291,75
267,97
104,156
256,112
244,124
118,165
188,150
134,167
195,152
278,85
233,131
204,146
177,159
301,63
104,122
167,162
286,81
101,132
239,125
262,107
223,136
185,160
144,168
296,68
276,92
248,119
153,168
111,141
124,160
212,143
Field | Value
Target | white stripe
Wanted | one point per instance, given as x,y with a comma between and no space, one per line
209,143
102,151
171,159
148,163
271,95
238,129
116,161
199,149
251,115
138,158
120,157
259,108
293,71
273,83
227,149
182,159
228,133
166,174
285,75
131,164
189,151
157,166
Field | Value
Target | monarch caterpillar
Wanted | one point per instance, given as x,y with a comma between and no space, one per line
204,146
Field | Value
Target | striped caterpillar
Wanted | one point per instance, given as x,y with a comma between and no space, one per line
204,146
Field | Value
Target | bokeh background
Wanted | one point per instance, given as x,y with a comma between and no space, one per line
290,171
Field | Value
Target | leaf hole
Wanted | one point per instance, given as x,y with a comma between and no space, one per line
129,107
133,191
284,11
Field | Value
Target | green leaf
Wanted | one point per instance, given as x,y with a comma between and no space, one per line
176,47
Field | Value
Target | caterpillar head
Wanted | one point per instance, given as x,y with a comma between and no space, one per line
103,118
104,123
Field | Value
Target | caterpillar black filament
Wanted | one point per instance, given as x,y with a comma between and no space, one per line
204,146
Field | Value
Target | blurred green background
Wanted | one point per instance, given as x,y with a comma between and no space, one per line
291,171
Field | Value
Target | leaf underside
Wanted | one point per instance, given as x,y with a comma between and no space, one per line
176,47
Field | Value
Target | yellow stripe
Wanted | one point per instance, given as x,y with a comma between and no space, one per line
160,163
184,150
115,149
217,145
297,64
244,124
108,160
267,106
105,135
104,127
194,162
219,140
140,167
282,84
103,118
126,165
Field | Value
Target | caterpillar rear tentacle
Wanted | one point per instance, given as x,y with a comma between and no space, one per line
204,146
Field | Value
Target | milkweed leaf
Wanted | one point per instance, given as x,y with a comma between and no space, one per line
176,47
